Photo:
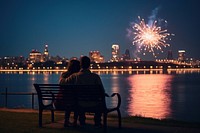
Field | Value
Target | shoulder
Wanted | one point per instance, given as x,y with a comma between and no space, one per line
95,76
73,76
65,74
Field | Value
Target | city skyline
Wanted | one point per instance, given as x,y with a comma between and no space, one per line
116,56
73,28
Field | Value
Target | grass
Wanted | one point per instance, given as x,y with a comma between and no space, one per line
22,122
161,122
17,122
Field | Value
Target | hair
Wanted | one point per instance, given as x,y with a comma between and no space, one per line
85,62
73,66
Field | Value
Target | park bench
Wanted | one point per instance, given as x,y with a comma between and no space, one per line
87,98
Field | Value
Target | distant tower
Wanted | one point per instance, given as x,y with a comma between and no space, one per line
127,55
46,53
169,55
181,55
115,53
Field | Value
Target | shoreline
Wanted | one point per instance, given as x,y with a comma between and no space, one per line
101,70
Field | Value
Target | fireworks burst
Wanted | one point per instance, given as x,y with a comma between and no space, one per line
149,37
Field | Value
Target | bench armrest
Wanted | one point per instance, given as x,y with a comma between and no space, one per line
53,98
118,98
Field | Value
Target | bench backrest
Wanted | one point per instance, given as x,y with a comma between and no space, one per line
90,98
84,97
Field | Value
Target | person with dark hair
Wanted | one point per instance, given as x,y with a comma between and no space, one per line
73,67
86,77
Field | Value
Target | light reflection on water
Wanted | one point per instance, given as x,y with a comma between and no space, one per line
174,95
150,95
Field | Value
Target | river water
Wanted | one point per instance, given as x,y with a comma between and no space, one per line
174,95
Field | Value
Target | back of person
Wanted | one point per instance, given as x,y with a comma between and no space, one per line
86,77
73,67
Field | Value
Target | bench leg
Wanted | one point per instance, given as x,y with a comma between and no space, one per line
119,118
52,115
40,118
105,122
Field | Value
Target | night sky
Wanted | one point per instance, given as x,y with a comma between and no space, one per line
75,27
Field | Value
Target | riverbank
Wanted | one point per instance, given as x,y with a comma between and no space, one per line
26,120
106,71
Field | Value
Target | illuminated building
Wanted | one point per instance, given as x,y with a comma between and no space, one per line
115,53
169,55
35,56
181,55
12,61
95,56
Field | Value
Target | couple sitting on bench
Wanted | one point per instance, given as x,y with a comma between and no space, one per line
79,74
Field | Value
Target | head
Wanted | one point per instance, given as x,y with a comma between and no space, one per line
85,62
74,66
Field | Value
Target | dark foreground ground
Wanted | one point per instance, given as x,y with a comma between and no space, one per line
26,121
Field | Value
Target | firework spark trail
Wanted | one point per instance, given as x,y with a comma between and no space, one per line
149,38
